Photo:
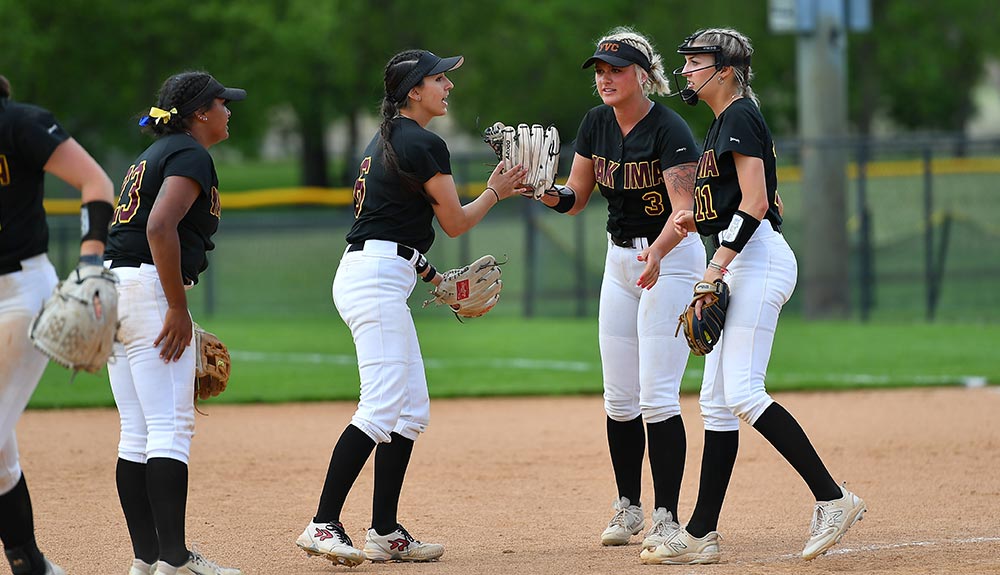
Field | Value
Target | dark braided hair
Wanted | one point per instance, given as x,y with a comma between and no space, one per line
175,92
395,71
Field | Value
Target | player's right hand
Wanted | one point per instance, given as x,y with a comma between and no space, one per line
175,335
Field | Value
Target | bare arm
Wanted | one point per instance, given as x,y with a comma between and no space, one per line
172,203
679,181
581,180
750,171
71,163
456,219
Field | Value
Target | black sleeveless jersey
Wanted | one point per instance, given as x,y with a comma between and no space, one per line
28,136
173,155
383,209
629,170
740,128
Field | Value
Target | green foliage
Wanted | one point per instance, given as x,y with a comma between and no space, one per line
312,358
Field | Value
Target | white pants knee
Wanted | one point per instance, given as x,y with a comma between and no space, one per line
155,399
642,361
22,294
370,291
761,279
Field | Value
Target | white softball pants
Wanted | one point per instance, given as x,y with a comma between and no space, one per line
370,291
761,280
22,294
643,362
155,399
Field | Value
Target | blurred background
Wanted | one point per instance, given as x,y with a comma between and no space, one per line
916,154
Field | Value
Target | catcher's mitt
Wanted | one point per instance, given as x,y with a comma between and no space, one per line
211,364
471,291
702,334
76,326
534,147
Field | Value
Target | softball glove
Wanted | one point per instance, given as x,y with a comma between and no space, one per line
702,334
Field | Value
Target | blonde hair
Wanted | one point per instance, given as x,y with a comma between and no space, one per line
736,53
656,80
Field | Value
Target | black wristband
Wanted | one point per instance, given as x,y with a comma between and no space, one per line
567,199
421,264
95,217
739,232
430,273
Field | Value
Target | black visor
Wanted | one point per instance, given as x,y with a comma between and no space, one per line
618,54
427,65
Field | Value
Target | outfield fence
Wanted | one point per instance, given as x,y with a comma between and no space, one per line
923,222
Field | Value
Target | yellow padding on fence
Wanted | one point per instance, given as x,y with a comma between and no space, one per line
340,197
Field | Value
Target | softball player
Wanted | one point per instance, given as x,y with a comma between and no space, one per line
404,181
167,212
641,156
32,142
735,203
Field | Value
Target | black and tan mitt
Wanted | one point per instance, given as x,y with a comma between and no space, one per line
703,333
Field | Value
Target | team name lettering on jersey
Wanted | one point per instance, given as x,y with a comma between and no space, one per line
4,171
604,171
707,166
639,175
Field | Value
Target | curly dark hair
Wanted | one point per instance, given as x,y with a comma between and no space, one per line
177,92
4,87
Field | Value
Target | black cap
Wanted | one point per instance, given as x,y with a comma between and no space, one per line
214,89
618,54
428,65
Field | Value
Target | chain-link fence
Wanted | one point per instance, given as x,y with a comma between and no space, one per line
923,220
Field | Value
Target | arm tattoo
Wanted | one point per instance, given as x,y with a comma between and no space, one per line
681,177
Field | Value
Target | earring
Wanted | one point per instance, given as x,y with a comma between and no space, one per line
203,118
721,80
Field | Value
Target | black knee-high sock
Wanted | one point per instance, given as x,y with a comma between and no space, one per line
349,456
786,435
667,451
717,463
627,442
391,460
131,480
167,485
17,531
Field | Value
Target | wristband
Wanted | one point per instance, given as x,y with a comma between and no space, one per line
739,232
567,199
431,272
92,260
421,264
494,193
94,220
715,266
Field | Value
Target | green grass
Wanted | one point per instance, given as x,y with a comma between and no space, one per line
312,358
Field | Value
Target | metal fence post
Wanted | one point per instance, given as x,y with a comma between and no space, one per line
866,277
929,232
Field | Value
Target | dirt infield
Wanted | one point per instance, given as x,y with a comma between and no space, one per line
525,486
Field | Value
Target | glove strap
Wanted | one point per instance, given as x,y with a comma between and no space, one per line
92,260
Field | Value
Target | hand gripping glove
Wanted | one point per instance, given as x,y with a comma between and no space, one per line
211,364
534,147
470,291
702,334
76,326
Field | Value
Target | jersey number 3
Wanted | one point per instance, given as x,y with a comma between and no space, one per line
703,209
129,204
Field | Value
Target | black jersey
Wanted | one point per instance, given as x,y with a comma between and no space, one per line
172,155
383,209
28,136
629,170
740,128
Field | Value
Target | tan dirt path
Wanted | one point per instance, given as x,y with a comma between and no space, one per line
524,486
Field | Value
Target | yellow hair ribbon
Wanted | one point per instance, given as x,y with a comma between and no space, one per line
159,114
